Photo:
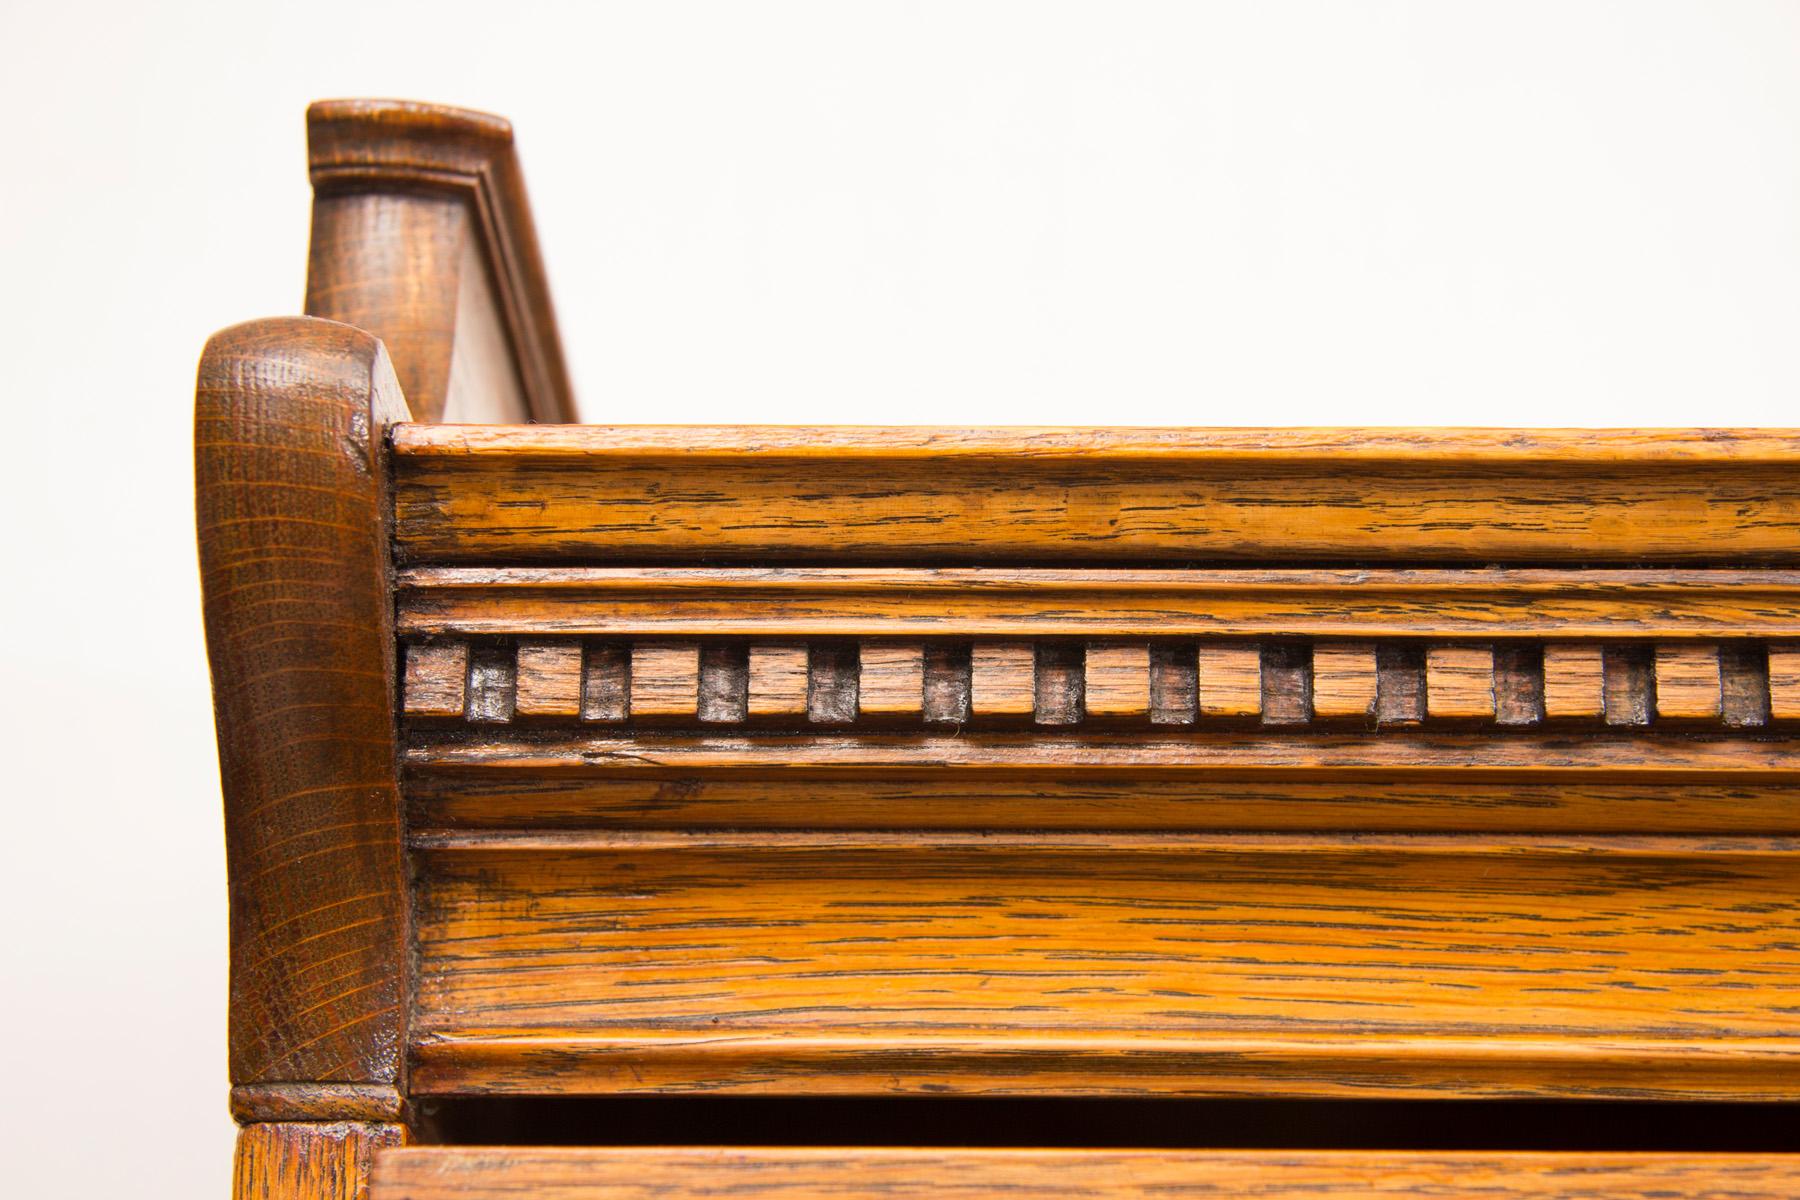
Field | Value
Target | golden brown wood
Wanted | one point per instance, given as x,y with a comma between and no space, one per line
311,1161
778,675
1003,679
549,679
1459,683
893,679
1688,685
1059,794
665,679
1107,962
1344,680
580,495
292,513
1118,680
858,1173
437,677
801,602
1051,762
422,236
1574,682
1230,680
1784,683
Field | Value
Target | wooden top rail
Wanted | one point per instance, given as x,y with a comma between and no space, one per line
771,495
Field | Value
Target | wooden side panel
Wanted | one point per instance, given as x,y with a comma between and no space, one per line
589,494
854,1173
289,420
309,1161
990,962
422,235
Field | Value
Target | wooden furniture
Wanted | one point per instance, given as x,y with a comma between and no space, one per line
578,773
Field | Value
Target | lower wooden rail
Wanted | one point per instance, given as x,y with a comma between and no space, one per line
852,1174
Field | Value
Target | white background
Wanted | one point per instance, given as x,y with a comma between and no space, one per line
1567,213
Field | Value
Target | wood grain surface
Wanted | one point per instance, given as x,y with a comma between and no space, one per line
422,236
292,515
1107,962
770,495
1117,603
309,1161
1062,683
804,1173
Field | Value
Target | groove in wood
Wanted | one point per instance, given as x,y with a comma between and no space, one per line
948,683
1286,684
1174,683
1058,682
492,684
1629,684
1745,684
1518,685
1399,684
724,684
606,682
831,688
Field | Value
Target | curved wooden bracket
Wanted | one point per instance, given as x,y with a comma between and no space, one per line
422,235
290,424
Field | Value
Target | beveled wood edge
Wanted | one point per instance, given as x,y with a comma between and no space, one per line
812,1171
800,602
402,145
292,516
1251,754
1096,1063
1449,445
253,1103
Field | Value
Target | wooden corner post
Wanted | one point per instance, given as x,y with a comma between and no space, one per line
291,480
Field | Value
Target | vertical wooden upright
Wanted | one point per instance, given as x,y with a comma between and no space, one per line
291,480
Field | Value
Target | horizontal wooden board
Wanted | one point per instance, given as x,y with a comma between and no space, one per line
973,602
861,1173
775,797
1107,962
1464,755
520,494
